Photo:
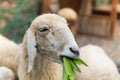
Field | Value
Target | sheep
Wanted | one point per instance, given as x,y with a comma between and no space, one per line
100,66
47,38
6,74
71,16
38,56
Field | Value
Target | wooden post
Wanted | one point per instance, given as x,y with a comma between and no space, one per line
45,6
113,18
86,7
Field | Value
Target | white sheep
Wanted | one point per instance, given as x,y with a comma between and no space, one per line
6,74
45,41
100,66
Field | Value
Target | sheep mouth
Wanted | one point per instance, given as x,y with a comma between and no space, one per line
70,57
61,58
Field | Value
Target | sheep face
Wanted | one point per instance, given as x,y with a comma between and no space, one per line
53,38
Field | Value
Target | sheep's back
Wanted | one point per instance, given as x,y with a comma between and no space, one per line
9,54
100,66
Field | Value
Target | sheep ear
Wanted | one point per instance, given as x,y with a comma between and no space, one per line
31,49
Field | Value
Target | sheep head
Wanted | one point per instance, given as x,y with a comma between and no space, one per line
50,36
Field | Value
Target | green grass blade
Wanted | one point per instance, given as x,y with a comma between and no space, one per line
65,76
80,61
75,66
69,69
70,66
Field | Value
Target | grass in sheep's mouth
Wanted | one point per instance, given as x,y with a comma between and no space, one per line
70,66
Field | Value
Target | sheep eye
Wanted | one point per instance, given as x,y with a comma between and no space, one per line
44,29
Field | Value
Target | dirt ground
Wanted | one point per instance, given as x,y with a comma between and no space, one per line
112,47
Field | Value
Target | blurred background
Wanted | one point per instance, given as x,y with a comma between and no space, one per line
16,16
97,21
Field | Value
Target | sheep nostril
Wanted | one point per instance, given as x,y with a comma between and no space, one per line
75,51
